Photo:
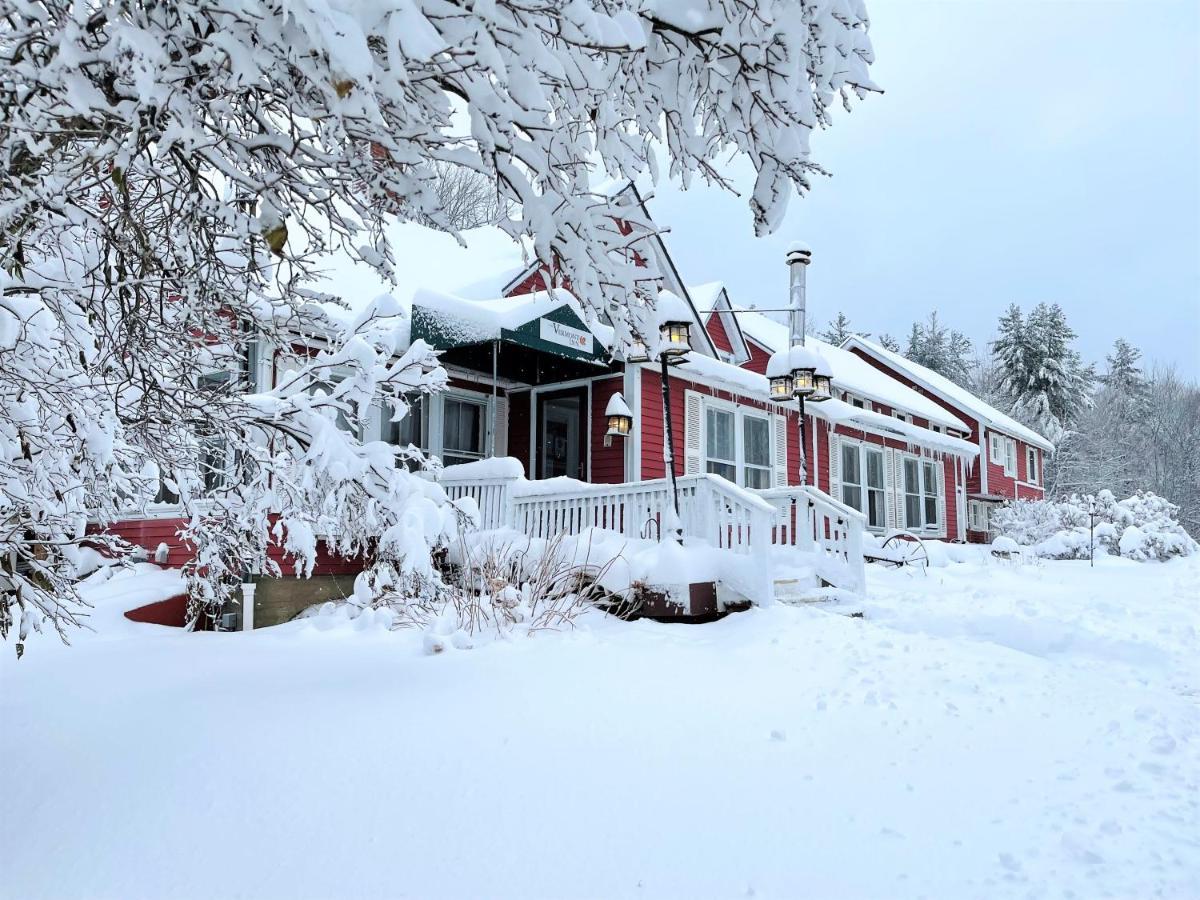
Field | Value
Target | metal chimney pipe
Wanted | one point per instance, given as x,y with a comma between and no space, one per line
798,257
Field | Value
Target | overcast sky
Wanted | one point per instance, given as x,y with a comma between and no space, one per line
1023,152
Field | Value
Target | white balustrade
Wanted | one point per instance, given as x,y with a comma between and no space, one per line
814,522
710,508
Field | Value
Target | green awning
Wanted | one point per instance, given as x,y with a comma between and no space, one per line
559,332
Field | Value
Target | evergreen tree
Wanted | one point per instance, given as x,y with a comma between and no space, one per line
1043,377
942,349
839,330
1124,372
887,342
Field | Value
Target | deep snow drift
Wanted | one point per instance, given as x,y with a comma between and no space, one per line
989,729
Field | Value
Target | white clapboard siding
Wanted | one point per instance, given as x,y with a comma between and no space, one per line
781,441
693,432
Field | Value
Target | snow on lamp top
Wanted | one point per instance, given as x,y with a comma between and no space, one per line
674,319
786,362
618,407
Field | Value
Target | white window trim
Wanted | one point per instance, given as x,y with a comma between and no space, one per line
1002,451
740,414
902,513
437,421
1032,475
862,447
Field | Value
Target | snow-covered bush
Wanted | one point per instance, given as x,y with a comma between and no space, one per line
1143,527
500,584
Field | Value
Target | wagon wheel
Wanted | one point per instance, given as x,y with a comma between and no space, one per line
906,549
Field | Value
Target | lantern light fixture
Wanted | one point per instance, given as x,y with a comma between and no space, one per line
674,326
620,417
822,381
637,352
781,387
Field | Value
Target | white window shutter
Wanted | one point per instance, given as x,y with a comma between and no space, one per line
835,468
500,425
781,441
693,433
889,488
943,525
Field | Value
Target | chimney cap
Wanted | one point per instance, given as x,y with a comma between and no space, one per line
799,252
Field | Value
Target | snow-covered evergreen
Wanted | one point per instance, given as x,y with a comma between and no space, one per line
1045,380
839,329
940,348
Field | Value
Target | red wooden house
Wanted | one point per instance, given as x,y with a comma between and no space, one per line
530,380
1011,460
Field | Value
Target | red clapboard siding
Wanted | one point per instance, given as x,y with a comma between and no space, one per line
716,330
758,359
652,426
608,463
151,532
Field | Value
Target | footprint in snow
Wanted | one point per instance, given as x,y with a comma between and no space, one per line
778,736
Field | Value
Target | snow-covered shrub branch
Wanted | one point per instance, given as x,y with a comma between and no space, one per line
1142,527
502,584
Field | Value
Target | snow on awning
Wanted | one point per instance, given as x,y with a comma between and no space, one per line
546,321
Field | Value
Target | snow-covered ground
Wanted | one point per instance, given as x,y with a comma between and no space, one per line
988,729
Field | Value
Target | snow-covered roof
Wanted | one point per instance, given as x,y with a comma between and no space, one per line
952,393
706,295
851,373
750,384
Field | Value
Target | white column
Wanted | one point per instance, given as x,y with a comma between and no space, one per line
248,589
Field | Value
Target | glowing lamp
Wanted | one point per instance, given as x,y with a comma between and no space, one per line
781,388
620,417
822,381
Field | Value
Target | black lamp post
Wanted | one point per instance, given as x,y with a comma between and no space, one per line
674,344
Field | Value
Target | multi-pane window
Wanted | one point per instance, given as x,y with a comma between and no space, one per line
720,443
851,476
462,430
863,481
214,453
1004,453
738,445
756,451
912,493
411,429
1031,465
876,509
929,492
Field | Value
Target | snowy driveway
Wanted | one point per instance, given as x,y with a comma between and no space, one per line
987,730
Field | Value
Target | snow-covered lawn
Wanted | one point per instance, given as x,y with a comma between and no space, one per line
987,730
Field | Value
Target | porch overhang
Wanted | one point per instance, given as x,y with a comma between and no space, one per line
533,341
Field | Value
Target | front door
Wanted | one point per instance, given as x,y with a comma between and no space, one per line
562,446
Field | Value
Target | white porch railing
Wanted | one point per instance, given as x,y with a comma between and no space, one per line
710,508
812,521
